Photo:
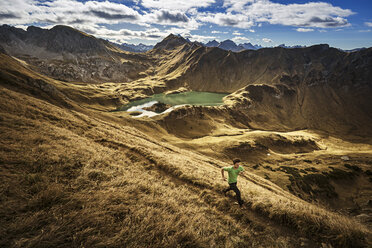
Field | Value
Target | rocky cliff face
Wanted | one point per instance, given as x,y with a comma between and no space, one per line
71,55
55,41
67,40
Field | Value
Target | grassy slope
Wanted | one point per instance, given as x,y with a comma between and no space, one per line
74,180
74,177
307,163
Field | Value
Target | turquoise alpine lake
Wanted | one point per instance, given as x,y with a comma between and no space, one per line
184,98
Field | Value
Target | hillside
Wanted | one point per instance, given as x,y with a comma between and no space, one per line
282,89
75,174
68,54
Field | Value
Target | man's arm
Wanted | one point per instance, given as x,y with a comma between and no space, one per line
242,172
223,175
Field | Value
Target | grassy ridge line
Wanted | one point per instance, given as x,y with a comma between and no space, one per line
289,208
63,188
278,205
190,169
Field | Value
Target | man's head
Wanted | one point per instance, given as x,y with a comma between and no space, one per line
236,162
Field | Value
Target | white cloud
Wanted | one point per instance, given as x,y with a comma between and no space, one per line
184,16
238,20
201,38
91,16
365,31
240,39
163,16
218,32
171,18
124,35
73,13
24,27
304,30
312,14
267,40
67,12
369,24
235,5
176,4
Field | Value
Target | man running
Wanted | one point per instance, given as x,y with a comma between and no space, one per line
233,179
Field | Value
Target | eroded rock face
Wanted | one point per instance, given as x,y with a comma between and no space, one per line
71,55
91,69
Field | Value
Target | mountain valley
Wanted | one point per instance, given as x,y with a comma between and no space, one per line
77,171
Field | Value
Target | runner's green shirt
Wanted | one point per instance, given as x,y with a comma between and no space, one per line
233,173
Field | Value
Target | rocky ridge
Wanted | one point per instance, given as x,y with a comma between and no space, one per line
67,54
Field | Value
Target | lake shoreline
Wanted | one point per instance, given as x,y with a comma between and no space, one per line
174,100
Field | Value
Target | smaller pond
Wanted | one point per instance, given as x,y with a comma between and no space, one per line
174,100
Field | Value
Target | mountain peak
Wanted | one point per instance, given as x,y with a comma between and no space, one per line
249,46
171,41
212,43
228,41
172,36
62,27
33,28
230,45
175,37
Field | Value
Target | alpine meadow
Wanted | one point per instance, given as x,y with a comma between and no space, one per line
105,143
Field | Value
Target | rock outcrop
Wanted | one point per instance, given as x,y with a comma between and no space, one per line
68,54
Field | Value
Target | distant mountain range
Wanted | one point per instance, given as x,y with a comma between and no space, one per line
34,32
140,48
230,45
227,45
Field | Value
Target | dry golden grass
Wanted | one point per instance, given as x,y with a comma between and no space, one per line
78,178
65,185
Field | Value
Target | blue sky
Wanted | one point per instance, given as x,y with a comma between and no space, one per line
343,24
